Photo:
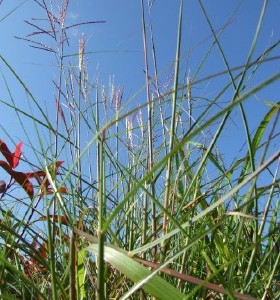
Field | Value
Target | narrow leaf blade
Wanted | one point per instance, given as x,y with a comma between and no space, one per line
156,286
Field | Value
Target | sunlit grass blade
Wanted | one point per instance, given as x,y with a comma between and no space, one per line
156,286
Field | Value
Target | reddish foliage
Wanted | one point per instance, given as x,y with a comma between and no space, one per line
61,189
12,158
2,186
22,178
56,218
32,265
17,155
42,180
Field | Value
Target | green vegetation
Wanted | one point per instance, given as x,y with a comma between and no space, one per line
117,203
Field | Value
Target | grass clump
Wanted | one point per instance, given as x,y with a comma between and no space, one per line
127,203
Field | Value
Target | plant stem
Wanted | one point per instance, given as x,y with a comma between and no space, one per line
172,132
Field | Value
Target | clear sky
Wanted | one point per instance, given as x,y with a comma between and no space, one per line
116,49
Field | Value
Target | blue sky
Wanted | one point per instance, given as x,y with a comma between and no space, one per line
116,49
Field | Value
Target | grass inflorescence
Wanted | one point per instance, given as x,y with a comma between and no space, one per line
113,202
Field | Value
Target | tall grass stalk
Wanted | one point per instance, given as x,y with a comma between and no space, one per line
149,160
169,170
112,199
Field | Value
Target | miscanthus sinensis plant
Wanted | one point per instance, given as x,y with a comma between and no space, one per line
110,200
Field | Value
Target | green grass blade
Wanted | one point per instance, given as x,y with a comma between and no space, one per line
156,286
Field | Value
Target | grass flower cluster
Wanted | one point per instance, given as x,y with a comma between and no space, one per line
139,203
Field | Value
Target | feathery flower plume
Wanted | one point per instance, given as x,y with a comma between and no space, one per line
129,128
103,95
118,98
81,52
140,121
111,89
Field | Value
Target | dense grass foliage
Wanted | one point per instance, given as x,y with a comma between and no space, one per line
115,203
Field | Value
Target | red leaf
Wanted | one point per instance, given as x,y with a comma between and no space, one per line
5,166
12,158
17,155
37,175
56,218
60,189
44,183
22,179
19,177
41,173
6,152
2,186
59,163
